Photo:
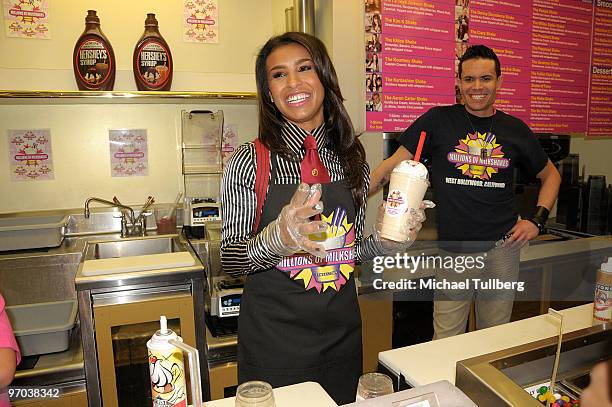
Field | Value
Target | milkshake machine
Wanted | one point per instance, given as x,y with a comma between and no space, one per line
202,136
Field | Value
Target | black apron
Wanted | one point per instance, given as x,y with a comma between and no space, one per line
298,321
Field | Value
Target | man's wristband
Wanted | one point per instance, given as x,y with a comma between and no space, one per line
540,226
540,217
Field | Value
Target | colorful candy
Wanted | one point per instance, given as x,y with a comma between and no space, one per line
555,400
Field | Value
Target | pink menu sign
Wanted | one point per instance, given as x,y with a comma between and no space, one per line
506,28
600,101
555,56
561,35
416,69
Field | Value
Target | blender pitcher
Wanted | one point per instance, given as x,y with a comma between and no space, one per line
167,370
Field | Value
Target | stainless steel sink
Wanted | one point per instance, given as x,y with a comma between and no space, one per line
133,247
151,254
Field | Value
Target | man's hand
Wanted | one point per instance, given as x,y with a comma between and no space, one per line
522,232
381,175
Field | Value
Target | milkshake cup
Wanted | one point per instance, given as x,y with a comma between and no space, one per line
406,191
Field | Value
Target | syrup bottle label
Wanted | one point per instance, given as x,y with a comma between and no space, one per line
602,306
153,64
93,63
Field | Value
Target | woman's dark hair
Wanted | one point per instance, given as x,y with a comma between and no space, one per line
341,134
479,52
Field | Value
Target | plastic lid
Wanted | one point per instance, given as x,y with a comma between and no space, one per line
607,267
151,21
92,17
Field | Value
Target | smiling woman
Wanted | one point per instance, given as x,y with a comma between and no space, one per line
299,317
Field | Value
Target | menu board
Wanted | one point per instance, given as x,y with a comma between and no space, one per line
556,58
600,97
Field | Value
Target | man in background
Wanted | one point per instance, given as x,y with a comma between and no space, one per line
474,150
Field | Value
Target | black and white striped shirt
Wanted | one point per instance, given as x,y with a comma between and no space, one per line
241,252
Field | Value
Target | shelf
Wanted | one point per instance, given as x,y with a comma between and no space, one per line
201,172
11,97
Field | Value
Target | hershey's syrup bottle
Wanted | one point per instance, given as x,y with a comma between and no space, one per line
602,305
152,59
93,59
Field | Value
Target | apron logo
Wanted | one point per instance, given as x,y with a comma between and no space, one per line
333,271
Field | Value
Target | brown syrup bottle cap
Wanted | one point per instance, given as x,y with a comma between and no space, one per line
151,21
92,18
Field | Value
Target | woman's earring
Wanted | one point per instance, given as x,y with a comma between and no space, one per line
271,98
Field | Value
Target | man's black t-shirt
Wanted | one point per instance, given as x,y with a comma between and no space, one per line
473,171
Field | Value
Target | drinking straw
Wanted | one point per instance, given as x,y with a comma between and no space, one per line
173,207
417,156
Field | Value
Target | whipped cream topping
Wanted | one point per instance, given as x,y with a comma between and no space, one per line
412,168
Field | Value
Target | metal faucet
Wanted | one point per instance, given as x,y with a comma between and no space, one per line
129,227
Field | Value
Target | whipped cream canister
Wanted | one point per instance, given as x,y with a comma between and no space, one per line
166,368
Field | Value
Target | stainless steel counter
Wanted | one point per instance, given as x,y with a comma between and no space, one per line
501,378
45,275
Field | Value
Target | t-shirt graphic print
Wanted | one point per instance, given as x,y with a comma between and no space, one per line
478,156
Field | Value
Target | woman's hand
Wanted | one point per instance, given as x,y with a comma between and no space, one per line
288,234
294,220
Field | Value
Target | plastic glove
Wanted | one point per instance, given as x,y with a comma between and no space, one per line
410,228
288,234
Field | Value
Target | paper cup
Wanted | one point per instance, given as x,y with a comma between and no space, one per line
406,191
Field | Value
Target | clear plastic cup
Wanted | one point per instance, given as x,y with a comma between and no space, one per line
165,218
373,385
254,394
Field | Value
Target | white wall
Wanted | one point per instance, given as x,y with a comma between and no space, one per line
81,156
278,15
244,25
